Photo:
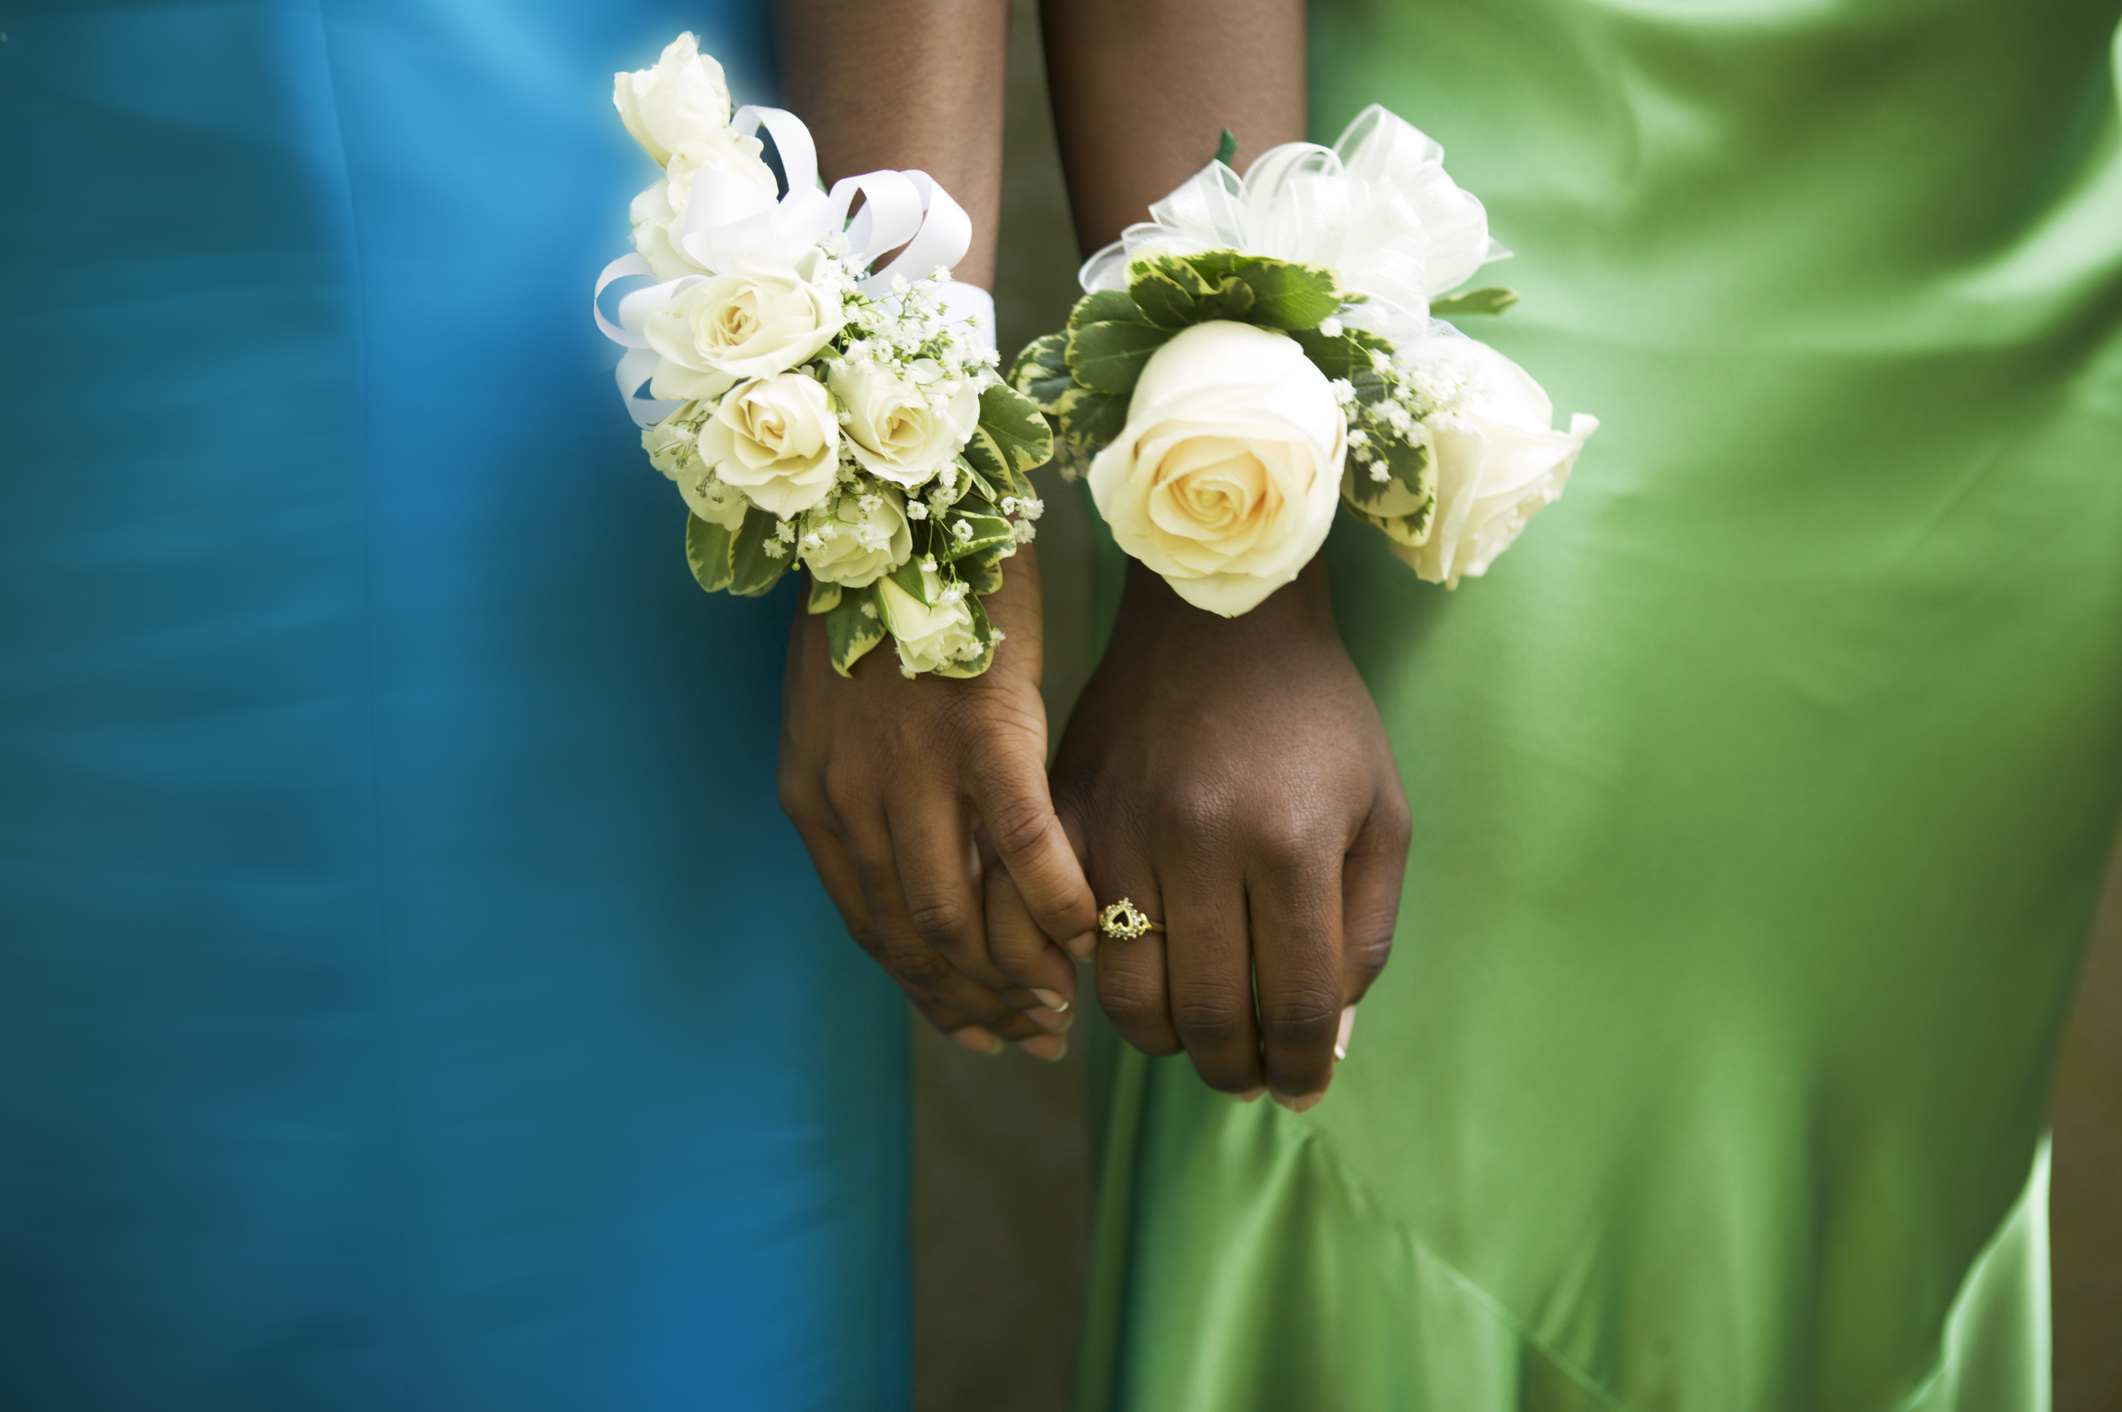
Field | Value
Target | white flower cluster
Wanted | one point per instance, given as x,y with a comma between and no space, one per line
841,414
1409,400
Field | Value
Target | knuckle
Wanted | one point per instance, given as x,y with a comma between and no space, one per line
916,963
1366,959
1208,1023
840,794
1016,825
1127,997
1302,1019
941,921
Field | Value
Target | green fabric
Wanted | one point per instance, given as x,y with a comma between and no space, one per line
1761,792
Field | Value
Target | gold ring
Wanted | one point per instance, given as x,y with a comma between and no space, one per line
1123,921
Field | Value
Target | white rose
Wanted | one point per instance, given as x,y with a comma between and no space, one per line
681,102
857,539
1497,473
775,439
758,318
906,429
1226,476
927,637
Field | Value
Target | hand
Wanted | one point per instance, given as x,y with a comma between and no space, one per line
1232,778
906,789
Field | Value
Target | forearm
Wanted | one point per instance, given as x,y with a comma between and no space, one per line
909,84
1143,87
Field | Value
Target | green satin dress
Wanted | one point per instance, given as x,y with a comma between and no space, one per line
1761,791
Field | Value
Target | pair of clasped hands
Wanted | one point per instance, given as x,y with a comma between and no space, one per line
1230,777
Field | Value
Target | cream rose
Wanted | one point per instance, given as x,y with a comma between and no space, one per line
927,637
1498,472
683,101
856,539
758,318
1226,476
775,439
905,429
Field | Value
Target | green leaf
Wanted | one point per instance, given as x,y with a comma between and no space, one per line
1290,296
909,576
982,572
850,632
1163,300
1231,299
1343,357
753,571
1477,301
1108,357
1088,418
1227,148
989,529
1041,370
1013,437
986,659
1104,306
707,549
1409,465
824,597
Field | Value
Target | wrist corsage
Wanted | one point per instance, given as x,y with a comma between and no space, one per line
813,408
1266,347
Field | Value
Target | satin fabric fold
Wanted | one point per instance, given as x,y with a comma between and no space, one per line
1762,791
410,993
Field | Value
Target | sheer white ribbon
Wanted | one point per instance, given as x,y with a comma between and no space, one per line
729,219
1376,207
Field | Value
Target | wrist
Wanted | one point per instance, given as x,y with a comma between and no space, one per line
1299,611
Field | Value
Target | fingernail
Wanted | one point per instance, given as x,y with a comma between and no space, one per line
1053,1000
1251,1095
979,1041
1050,1020
1082,947
1049,1047
1348,1027
1300,1105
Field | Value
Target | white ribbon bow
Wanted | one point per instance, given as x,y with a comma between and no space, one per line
730,218
1376,207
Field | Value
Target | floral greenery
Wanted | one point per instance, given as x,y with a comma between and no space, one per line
1083,376
811,408
972,517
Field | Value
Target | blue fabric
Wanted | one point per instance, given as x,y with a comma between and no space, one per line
410,994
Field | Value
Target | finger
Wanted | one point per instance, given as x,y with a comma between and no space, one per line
978,1038
838,874
901,951
941,881
1372,874
1023,951
1132,987
1210,967
1294,897
1010,794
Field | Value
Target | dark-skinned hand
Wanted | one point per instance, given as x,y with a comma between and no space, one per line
1231,777
907,790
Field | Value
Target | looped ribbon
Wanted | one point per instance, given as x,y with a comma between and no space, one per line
729,218
1376,207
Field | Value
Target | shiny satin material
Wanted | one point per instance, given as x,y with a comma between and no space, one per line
410,993
1761,791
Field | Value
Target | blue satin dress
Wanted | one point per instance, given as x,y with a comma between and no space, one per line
410,994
